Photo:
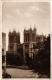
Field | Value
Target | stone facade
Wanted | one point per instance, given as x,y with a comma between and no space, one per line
29,41
14,40
30,46
4,43
3,53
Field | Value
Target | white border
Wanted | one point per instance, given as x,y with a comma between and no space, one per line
0,40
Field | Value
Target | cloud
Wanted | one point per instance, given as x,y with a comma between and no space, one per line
24,13
9,16
31,11
27,14
18,12
34,8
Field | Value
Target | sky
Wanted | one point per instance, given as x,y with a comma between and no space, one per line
22,15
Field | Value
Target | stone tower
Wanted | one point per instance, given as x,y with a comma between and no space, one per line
29,41
14,40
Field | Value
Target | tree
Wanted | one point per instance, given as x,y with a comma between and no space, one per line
43,58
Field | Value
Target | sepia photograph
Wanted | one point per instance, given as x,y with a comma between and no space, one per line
25,40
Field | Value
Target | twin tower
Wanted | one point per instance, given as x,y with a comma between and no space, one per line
30,40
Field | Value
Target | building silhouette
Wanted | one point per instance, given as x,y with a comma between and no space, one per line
3,54
32,43
30,46
4,43
29,41
14,40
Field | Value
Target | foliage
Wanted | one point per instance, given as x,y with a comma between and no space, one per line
42,59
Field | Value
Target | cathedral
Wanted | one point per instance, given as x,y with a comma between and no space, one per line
30,45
